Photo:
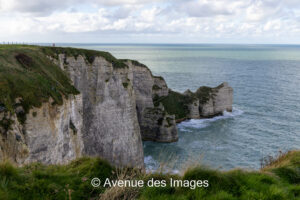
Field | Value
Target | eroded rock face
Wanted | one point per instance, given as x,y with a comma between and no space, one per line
110,124
158,125
12,141
219,99
155,123
194,110
159,87
51,134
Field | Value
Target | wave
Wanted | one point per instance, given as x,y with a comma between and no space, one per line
187,125
151,164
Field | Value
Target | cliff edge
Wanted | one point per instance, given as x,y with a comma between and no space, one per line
58,104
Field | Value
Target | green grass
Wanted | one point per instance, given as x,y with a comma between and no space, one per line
175,104
271,183
37,181
88,54
26,72
134,62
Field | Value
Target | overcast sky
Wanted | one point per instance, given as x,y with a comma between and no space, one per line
151,21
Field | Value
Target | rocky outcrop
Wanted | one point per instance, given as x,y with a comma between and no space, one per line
213,101
159,87
193,110
206,102
155,123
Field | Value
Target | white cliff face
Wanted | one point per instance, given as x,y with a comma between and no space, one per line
54,132
223,98
207,108
12,142
142,81
155,123
194,110
110,124
159,87
220,99
48,135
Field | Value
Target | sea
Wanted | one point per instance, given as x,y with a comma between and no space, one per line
266,115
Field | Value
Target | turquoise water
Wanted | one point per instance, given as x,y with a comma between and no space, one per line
266,117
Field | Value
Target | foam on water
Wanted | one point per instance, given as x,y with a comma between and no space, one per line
185,126
151,164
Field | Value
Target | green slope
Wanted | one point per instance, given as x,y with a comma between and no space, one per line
278,180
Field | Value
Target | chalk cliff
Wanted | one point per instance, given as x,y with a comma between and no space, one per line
118,104
49,135
155,123
218,99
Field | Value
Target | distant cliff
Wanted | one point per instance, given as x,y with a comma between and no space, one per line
58,104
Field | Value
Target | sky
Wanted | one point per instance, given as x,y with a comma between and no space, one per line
151,21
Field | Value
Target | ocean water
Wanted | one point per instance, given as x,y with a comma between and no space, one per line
266,116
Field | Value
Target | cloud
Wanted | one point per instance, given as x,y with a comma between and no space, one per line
123,12
204,9
125,19
46,7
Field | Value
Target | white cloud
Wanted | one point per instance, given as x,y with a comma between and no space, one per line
161,18
204,8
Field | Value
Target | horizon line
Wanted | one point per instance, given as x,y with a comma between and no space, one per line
140,43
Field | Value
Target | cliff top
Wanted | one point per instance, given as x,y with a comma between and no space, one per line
27,73
89,55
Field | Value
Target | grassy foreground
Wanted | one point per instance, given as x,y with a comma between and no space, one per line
279,179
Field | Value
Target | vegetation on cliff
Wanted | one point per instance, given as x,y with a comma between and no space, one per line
178,104
204,93
28,75
134,62
175,104
277,180
89,55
